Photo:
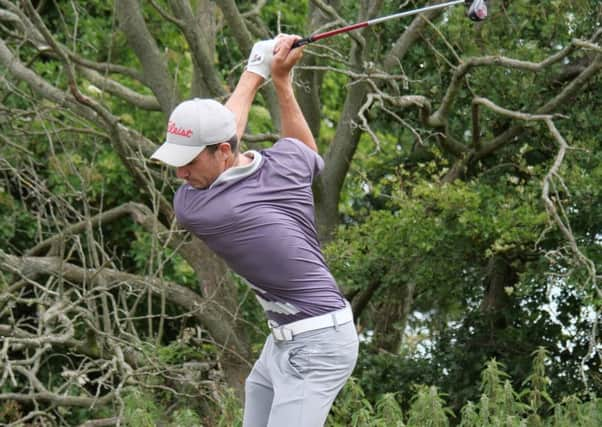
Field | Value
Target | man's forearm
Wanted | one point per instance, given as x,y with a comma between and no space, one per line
293,121
242,98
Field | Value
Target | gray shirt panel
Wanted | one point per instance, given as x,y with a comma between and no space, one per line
262,224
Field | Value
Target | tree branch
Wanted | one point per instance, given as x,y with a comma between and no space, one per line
143,44
44,395
138,211
561,99
408,38
200,308
333,14
202,56
439,117
139,100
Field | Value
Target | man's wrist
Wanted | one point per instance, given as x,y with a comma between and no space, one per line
283,82
252,78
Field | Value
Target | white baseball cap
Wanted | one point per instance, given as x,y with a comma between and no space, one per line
193,125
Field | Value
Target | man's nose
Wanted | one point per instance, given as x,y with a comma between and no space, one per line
182,172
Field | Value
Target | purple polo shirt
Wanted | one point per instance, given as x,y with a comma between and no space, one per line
260,219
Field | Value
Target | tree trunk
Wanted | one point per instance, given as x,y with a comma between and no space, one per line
391,317
501,277
327,188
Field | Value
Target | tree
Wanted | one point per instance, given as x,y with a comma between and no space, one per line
94,267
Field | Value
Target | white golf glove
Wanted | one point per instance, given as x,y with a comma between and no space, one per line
261,57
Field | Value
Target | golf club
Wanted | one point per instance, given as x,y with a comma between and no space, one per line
477,11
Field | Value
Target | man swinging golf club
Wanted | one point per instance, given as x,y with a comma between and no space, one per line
255,210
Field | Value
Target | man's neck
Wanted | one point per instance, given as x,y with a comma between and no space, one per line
242,160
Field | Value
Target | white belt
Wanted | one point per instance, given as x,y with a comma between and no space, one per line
288,331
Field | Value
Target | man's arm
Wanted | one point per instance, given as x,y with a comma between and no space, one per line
293,121
242,98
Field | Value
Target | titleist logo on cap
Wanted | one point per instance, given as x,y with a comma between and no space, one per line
174,129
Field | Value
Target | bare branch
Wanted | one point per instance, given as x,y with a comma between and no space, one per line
407,39
569,91
165,15
330,11
106,67
237,24
202,55
139,100
255,10
587,45
143,44
204,309
136,210
438,118
41,86
44,395
37,20
102,422
509,113
550,204
273,137
376,75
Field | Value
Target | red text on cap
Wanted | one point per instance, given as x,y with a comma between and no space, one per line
174,129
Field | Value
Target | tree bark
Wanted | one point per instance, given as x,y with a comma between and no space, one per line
327,188
391,317
500,279
154,65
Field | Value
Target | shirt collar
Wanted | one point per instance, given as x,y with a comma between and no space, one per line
238,172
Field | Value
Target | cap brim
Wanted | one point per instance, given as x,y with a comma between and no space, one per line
176,155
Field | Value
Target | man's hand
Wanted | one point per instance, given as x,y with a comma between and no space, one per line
260,59
284,58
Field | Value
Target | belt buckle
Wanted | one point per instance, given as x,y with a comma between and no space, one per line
282,333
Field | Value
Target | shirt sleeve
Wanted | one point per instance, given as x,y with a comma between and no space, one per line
297,158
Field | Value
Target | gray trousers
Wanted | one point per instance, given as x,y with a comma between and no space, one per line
293,383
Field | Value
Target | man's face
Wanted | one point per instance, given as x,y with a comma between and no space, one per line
206,167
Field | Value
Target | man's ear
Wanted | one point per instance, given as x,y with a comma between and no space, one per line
225,149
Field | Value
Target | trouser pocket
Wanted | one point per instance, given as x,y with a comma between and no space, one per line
299,361
331,352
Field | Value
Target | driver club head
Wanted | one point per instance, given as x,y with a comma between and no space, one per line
477,10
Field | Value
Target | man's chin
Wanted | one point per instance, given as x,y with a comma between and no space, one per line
197,186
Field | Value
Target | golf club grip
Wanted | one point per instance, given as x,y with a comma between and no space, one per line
302,42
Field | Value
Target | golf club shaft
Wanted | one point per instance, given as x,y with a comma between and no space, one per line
316,37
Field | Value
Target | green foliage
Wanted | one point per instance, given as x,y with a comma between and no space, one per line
389,411
11,411
230,409
383,373
290,15
142,410
17,225
179,352
352,408
498,405
144,248
428,408
538,393
97,173
185,418
465,223
139,409
573,412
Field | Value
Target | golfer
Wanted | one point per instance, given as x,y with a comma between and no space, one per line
255,210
